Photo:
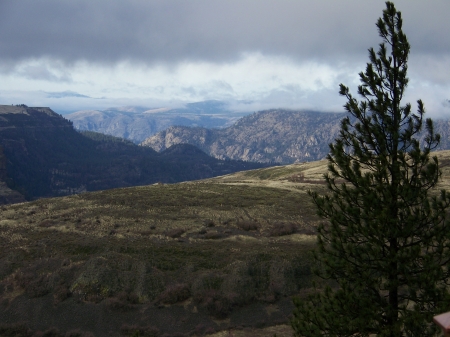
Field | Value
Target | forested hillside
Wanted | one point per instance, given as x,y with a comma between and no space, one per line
47,157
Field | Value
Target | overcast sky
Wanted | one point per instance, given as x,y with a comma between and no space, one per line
255,54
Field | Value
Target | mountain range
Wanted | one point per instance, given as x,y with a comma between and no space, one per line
45,156
282,136
139,123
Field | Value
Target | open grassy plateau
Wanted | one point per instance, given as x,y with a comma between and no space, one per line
220,257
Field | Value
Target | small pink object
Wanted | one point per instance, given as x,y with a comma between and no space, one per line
443,321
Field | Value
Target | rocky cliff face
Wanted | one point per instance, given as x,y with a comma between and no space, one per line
270,136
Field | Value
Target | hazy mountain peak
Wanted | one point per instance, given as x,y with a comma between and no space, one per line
138,123
156,110
85,113
132,109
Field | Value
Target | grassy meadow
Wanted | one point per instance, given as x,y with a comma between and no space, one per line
220,257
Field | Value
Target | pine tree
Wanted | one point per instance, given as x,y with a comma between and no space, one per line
383,249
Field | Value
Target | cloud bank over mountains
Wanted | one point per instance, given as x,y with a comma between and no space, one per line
275,54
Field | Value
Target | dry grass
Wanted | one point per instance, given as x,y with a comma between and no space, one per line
158,245
223,244
278,330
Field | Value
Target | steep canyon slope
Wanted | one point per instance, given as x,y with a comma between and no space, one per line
283,136
47,157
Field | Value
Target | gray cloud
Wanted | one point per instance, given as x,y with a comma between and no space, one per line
110,31
64,94
43,72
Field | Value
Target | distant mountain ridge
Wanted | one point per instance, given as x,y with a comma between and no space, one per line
283,136
138,123
46,156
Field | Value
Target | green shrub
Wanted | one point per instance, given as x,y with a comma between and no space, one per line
213,235
248,225
139,331
174,294
175,233
208,223
281,229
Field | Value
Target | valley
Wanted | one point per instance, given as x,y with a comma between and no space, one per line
45,156
271,136
224,169
189,245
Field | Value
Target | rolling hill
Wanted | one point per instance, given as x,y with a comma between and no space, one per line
187,259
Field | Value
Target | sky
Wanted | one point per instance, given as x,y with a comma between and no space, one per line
253,54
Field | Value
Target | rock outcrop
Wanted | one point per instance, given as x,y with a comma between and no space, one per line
282,136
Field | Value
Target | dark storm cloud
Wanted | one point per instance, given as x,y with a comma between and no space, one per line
43,72
110,31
